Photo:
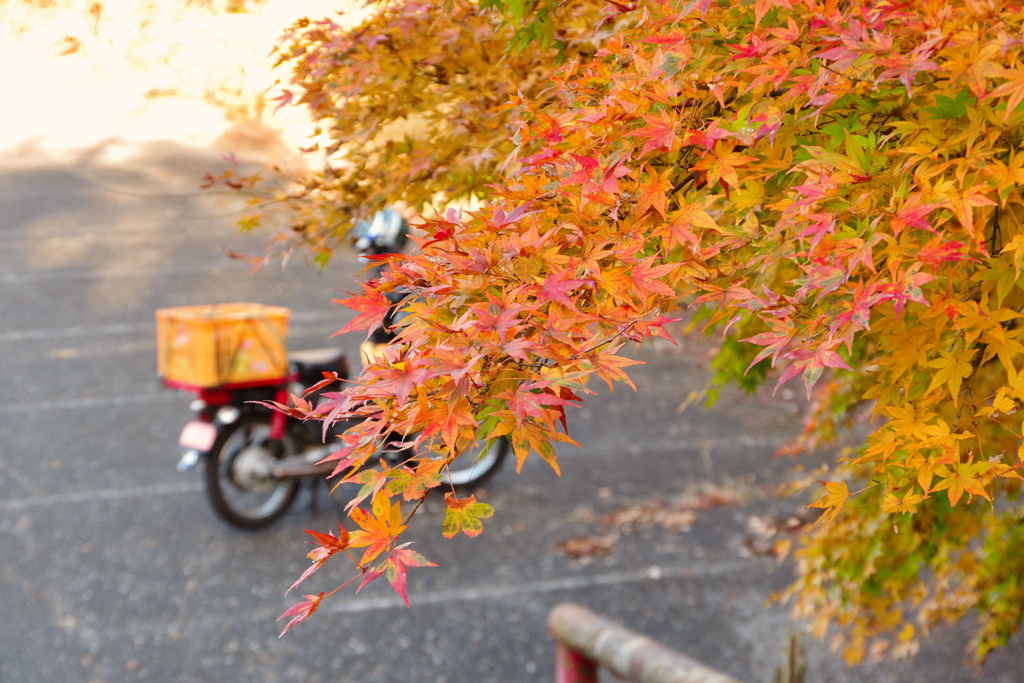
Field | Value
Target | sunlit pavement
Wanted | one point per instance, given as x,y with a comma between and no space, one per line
113,567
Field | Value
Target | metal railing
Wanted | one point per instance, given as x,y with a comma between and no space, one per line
586,641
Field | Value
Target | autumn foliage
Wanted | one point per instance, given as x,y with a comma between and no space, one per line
833,185
409,104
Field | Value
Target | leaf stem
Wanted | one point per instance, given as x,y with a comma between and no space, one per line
342,585
871,486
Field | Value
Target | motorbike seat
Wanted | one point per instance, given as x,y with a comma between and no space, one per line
313,363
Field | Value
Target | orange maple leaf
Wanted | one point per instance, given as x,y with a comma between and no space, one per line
653,191
372,308
379,529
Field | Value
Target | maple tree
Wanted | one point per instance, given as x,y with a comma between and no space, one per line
832,185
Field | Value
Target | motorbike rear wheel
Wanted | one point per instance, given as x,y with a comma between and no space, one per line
238,481
476,465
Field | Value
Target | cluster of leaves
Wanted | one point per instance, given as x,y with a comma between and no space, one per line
536,21
407,103
836,183
379,529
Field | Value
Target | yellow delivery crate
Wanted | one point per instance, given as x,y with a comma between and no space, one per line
210,346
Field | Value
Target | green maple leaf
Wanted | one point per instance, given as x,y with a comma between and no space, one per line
951,107
464,514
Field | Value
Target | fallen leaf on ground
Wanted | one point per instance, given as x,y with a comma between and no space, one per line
637,517
588,546
713,495
763,534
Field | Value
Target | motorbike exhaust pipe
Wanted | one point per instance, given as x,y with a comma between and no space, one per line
304,464
298,471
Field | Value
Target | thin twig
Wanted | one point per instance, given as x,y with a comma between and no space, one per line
607,341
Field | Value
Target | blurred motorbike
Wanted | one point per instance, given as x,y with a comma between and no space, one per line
255,458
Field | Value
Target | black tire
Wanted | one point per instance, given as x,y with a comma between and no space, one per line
234,502
473,468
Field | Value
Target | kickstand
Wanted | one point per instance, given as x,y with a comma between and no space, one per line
314,488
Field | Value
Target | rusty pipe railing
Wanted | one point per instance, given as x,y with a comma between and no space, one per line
586,641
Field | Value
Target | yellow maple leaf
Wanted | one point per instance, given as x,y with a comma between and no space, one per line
974,67
1014,87
908,350
1016,247
833,501
1002,403
952,370
893,504
1001,343
881,447
964,477
923,466
910,419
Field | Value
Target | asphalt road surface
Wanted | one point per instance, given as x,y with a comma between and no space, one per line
113,567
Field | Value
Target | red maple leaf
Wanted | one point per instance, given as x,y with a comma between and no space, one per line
914,214
542,157
821,224
609,180
371,575
773,342
446,360
733,291
556,288
497,318
810,362
301,611
660,131
372,308
906,67
329,545
907,287
646,277
938,251
397,567
501,219
585,174
706,138
752,49
517,348
859,309
399,380
821,277
527,403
